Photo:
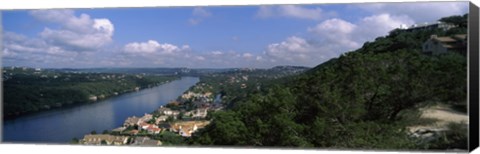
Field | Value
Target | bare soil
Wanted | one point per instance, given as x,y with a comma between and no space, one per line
443,115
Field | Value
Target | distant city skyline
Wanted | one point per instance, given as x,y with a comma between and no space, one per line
204,37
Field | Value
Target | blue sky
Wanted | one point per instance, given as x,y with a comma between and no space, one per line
204,37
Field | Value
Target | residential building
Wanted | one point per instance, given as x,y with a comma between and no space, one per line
146,118
150,128
198,113
161,119
97,139
427,26
153,130
131,121
133,132
167,111
119,129
186,128
146,141
439,45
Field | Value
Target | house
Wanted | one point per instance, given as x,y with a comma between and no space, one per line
151,143
201,112
161,119
92,98
167,111
139,140
119,129
131,121
150,128
186,128
143,126
133,132
439,45
198,113
146,118
427,26
146,141
97,139
153,130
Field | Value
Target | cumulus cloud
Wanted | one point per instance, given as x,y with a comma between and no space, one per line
379,25
21,50
18,44
77,33
419,11
153,47
198,15
201,12
293,51
153,53
331,38
293,11
68,41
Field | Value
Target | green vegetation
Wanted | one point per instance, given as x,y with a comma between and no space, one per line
358,100
237,84
29,91
456,138
169,138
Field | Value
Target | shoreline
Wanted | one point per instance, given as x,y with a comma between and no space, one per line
7,118
173,118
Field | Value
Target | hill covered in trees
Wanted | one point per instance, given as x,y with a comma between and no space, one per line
362,99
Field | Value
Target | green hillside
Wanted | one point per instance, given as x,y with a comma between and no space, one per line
362,99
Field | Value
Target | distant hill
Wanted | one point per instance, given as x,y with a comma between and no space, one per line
179,70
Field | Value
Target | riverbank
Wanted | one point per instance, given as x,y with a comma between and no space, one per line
31,91
168,125
60,126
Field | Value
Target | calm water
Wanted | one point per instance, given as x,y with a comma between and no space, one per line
60,126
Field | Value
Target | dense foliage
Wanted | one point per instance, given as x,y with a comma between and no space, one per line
354,101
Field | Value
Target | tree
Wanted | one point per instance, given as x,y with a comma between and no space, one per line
457,20
93,132
105,132
74,141
180,116
226,129
450,79
103,142
169,119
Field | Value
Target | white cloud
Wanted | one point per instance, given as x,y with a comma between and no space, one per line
418,11
293,11
198,15
200,58
379,25
330,38
21,50
200,12
247,55
21,45
292,50
336,32
65,42
153,47
79,34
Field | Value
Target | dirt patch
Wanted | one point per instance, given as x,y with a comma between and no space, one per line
443,115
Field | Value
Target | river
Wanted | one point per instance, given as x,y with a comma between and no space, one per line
61,125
